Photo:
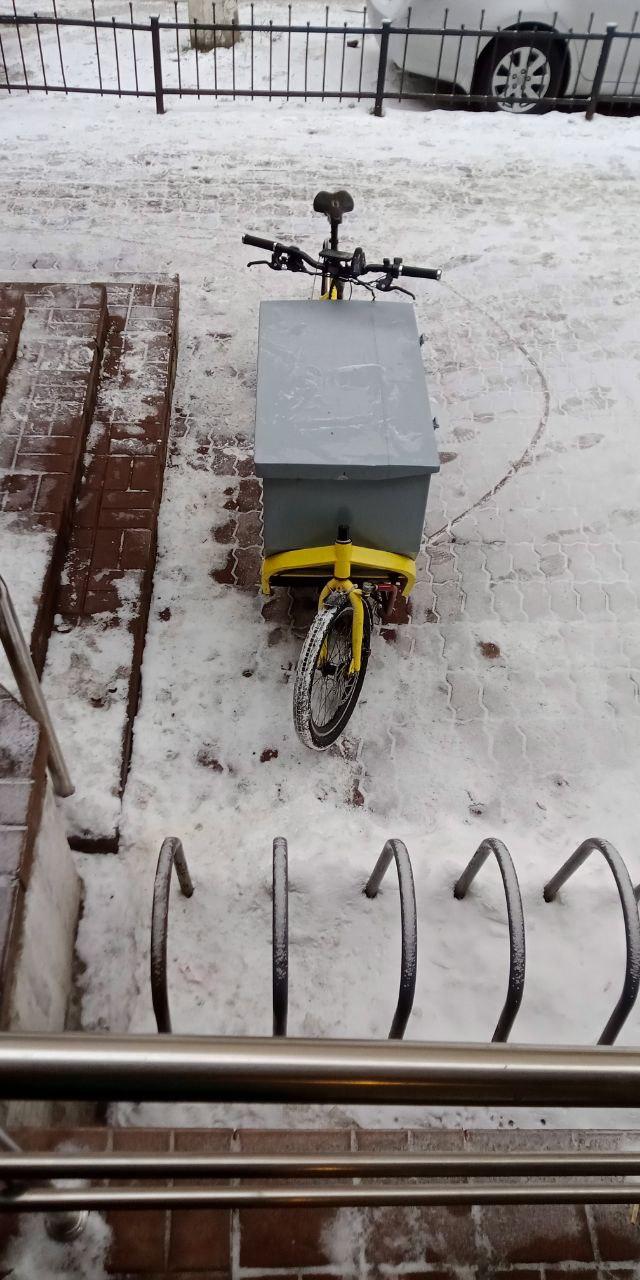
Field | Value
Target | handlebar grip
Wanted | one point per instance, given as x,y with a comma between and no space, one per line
421,273
258,242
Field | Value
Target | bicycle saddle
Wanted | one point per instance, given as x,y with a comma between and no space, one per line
333,203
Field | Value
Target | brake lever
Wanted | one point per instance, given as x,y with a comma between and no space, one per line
396,288
386,284
280,261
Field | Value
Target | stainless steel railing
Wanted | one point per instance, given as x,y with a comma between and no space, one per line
442,1164
163,1068
38,1199
177,1068
26,678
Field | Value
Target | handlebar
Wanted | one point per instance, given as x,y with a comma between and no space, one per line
291,257
418,273
259,243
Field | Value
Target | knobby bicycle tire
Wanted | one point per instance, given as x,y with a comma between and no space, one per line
312,735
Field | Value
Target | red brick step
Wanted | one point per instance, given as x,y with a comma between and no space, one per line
44,417
93,668
11,317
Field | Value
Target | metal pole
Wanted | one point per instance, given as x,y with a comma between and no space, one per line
26,678
382,67
30,1166
157,64
408,928
620,873
280,936
171,854
515,915
37,1199
206,1069
596,87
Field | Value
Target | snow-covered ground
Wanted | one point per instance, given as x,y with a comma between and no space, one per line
532,555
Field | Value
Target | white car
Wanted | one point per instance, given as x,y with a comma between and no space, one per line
526,67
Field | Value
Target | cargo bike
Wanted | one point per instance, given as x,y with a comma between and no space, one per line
345,446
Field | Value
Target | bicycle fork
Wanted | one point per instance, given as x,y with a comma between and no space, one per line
342,582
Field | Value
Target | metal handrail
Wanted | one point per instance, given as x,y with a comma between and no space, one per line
169,1068
171,854
631,924
26,678
515,915
140,1165
409,927
34,1200
280,936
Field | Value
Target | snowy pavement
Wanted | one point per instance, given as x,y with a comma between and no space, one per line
510,704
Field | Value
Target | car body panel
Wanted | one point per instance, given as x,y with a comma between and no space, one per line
452,59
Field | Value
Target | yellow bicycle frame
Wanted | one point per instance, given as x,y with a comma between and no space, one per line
344,556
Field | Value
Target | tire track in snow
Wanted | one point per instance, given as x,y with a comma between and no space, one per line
526,457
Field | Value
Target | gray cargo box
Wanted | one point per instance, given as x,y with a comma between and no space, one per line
344,431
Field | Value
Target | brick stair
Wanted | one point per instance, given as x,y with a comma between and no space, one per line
11,317
22,787
87,372
95,657
44,417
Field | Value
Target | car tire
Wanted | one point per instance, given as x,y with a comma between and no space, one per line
536,60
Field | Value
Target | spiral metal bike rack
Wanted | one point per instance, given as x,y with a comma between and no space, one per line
280,936
515,915
171,854
629,905
409,924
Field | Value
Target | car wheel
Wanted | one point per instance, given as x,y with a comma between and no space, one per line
521,72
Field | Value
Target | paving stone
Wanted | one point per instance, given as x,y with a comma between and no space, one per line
294,1141
529,1234
139,1240
617,1236
444,1236
286,1237
199,1240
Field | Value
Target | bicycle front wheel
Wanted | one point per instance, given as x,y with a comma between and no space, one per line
324,694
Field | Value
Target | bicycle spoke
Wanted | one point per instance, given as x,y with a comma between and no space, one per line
331,684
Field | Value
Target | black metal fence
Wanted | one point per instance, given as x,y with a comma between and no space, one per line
518,69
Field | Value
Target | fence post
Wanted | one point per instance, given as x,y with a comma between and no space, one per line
157,64
612,27
382,67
